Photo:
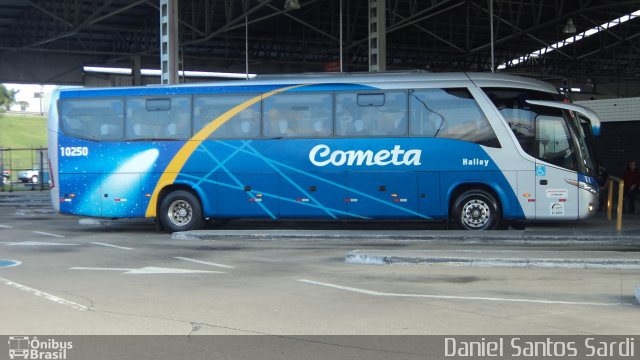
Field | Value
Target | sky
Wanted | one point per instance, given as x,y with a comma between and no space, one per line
26,93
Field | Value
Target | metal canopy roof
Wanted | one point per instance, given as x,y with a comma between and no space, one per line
436,35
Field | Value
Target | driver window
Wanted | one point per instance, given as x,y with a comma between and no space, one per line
553,141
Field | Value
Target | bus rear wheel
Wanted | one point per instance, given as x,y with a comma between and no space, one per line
476,210
181,211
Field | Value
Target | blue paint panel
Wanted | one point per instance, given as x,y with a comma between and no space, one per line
127,169
383,194
281,170
429,194
290,161
79,194
243,194
316,195
120,195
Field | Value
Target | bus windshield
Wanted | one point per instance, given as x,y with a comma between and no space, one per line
546,133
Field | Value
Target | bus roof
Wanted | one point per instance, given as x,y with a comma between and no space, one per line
414,79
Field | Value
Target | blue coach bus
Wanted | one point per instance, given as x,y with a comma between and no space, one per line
475,148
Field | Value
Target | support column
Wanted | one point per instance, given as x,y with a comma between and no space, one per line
136,75
169,41
377,36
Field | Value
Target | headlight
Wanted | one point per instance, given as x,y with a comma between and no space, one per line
584,186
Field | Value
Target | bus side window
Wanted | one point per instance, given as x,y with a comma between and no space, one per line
371,114
450,113
298,115
243,125
166,118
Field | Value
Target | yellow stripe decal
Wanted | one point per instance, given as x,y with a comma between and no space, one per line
171,172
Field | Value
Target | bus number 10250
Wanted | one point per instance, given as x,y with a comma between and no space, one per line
74,151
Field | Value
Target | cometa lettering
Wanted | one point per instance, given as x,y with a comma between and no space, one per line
322,155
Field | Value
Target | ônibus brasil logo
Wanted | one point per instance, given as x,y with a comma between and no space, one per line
322,155
31,348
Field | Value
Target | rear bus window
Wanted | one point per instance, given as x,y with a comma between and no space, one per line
100,120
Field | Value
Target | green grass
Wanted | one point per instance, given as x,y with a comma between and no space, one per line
20,132
23,131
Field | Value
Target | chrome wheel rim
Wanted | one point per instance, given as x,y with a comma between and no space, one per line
180,212
476,214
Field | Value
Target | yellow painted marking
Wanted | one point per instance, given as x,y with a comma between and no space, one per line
171,172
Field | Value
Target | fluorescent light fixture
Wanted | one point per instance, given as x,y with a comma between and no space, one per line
291,5
156,72
570,40
569,28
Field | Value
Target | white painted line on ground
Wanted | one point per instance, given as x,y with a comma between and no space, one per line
38,243
150,270
44,295
112,246
453,297
159,270
5,227
47,234
204,262
99,269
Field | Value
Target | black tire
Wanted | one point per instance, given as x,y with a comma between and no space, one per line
181,211
476,210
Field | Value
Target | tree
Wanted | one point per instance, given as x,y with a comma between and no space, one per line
7,98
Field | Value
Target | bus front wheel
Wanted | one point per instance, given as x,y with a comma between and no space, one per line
181,211
476,210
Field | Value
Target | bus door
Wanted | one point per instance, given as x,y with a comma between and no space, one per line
318,195
247,195
120,195
557,188
556,198
383,194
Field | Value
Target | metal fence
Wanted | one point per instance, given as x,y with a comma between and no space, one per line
24,169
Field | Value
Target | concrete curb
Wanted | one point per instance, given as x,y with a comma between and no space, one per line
422,258
506,237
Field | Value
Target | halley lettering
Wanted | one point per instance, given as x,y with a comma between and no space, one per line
321,155
475,162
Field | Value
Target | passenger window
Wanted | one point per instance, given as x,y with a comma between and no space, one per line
371,114
298,115
100,120
449,113
159,118
245,124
